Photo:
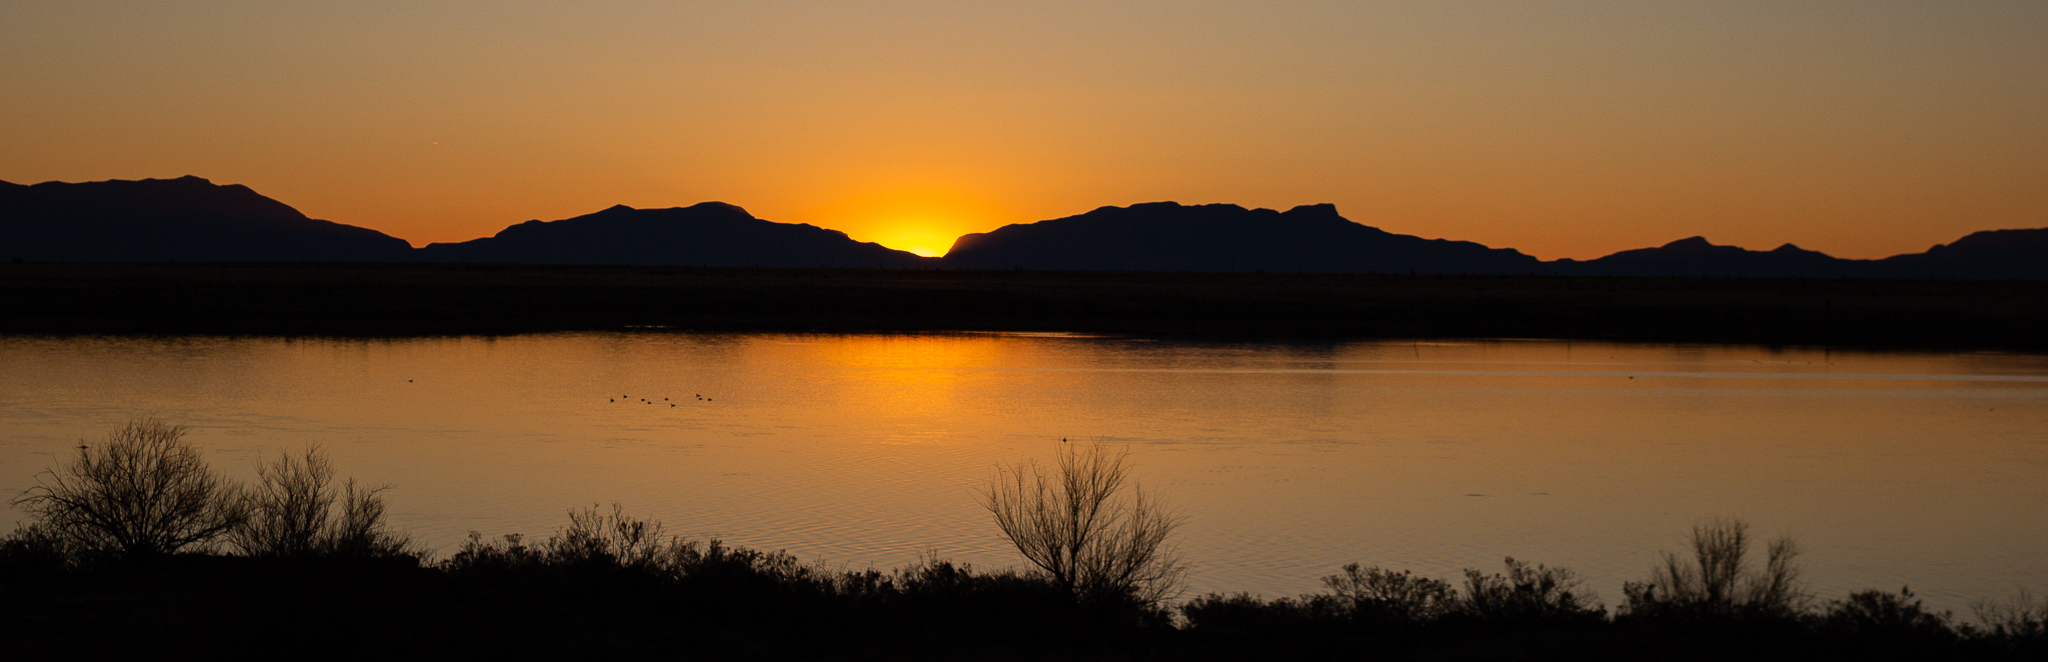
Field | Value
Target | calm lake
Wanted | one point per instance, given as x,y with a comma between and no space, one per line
1287,460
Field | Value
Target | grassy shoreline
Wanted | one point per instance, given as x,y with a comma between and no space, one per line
426,300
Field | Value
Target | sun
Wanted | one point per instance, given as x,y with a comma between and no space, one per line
922,238
924,220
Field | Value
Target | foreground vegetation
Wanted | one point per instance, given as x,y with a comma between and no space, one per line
136,548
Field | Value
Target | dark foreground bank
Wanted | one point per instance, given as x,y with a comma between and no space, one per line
136,549
685,601
391,299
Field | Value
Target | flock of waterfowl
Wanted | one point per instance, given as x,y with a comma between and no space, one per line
700,398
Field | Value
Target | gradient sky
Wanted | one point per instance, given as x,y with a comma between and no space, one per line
1565,129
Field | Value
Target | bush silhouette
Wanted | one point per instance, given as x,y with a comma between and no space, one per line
1244,612
594,540
33,553
615,539
2020,622
1889,617
1091,529
1374,600
294,510
1388,597
1527,593
142,492
1717,582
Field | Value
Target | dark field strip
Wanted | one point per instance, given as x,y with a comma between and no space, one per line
415,299
197,606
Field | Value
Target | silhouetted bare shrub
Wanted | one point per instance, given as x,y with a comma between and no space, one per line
362,531
1385,596
760,581
942,582
508,553
294,510
595,537
1244,612
141,492
288,507
1399,603
1717,582
1527,593
1088,526
34,551
1895,617
2020,620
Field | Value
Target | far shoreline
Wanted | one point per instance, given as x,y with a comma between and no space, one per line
420,300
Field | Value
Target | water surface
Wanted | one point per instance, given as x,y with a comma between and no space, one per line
1288,460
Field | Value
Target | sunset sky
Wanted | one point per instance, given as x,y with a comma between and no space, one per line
1861,128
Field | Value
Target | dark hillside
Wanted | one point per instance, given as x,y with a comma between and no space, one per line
1168,236
186,219
1983,255
706,234
1695,257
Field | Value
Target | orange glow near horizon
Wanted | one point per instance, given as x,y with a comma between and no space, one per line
912,236
1567,128
922,220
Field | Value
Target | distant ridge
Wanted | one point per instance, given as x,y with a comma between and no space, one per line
1694,256
183,219
1168,236
706,234
1991,254
192,219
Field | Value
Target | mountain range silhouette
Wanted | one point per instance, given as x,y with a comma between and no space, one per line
1167,236
708,234
192,219
187,219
